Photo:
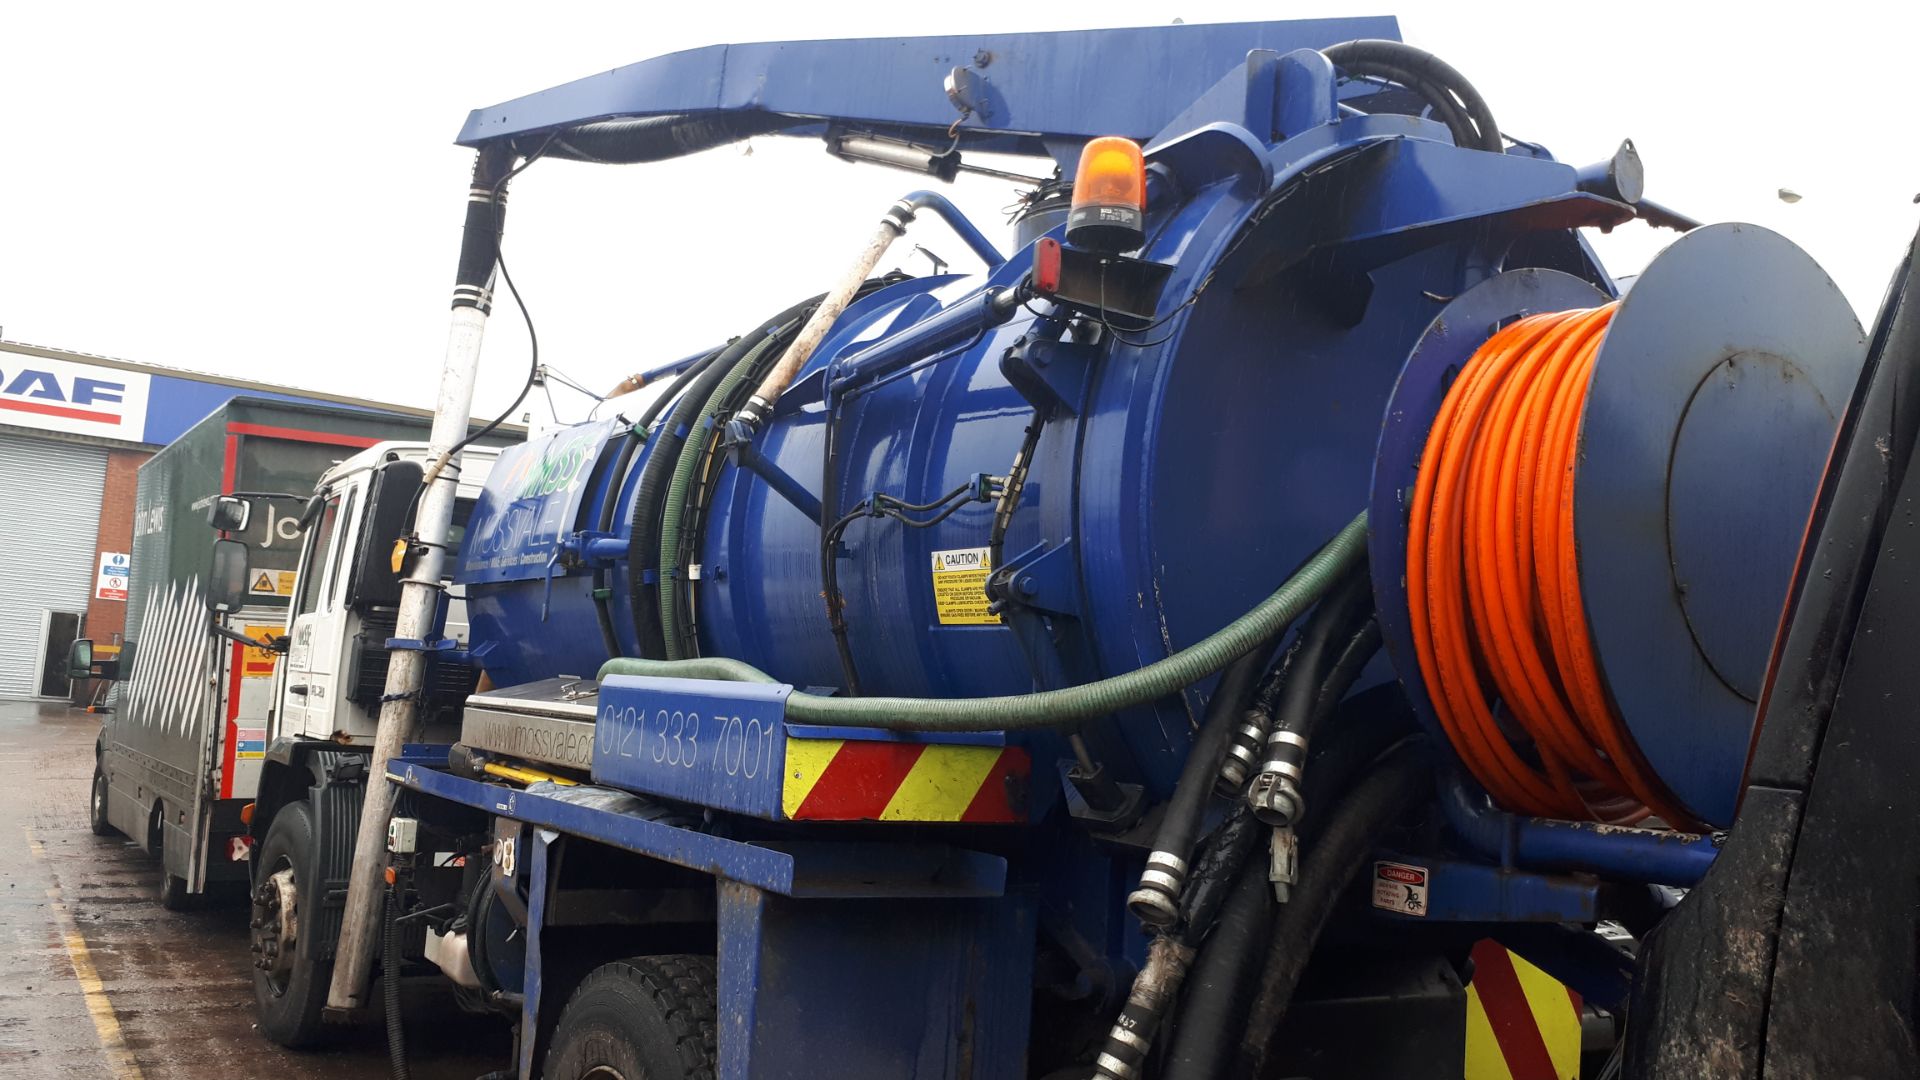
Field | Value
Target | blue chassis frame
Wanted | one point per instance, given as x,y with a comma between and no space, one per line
913,942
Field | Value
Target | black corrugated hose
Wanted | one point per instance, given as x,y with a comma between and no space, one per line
390,981
616,477
643,522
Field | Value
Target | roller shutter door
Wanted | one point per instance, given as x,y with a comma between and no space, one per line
49,519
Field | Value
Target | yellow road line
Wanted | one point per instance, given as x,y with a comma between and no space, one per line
105,1023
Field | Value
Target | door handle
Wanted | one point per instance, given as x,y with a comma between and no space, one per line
298,688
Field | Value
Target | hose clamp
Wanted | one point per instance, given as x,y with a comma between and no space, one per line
1168,861
1164,881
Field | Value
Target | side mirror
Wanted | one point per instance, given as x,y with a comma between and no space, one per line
227,580
311,511
80,659
229,514
390,503
81,663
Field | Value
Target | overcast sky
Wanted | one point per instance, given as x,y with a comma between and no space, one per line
271,191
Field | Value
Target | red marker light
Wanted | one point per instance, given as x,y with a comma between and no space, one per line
1046,266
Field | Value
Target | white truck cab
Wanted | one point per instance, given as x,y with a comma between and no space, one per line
330,684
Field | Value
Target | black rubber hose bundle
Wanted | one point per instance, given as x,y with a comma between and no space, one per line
1157,903
1322,641
1400,779
1274,791
1454,99
1222,977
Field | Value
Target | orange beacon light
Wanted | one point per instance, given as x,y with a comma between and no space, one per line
1109,212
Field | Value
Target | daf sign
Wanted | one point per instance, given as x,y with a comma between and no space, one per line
78,399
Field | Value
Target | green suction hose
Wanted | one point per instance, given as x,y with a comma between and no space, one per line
1049,708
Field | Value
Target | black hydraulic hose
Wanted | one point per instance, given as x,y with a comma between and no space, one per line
1215,867
1223,978
1399,780
1366,726
657,138
1423,72
1157,901
1248,742
390,981
1274,792
644,423
1348,663
643,521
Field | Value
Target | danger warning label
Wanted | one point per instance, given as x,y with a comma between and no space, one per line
1400,887
960,587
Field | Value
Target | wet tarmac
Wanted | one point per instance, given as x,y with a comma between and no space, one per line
96,980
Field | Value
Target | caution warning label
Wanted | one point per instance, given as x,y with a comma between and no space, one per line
272,583
960,587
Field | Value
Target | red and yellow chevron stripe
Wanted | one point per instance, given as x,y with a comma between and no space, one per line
870,780
1522,1024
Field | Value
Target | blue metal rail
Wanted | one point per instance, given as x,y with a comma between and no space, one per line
1030,89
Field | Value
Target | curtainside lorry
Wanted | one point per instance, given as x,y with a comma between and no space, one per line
198,689
1292,614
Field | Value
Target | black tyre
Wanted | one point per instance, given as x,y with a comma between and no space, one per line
289,983
173,894
645,1018
97,804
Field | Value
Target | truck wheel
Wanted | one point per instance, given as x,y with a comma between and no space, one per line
289,982
646,1018
97,804
173,888
173,892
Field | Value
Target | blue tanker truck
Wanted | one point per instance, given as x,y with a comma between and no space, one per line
1293,614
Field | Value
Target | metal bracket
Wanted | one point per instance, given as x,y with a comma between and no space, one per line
1052,375
435,645
1042,578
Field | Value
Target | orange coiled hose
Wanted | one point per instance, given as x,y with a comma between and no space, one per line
1493,583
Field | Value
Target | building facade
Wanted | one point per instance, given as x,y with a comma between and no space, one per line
74,430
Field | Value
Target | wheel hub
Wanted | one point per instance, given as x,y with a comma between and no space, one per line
275,924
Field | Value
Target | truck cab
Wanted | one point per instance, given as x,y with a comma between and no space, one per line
328,689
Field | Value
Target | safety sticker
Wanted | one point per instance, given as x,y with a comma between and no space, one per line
257,663
1400,887
249,743
272,583
960,587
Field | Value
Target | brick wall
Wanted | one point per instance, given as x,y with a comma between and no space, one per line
106,619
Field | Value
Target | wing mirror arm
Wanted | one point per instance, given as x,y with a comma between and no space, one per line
278,643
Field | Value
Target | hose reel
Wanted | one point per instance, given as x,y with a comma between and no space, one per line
1598,509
